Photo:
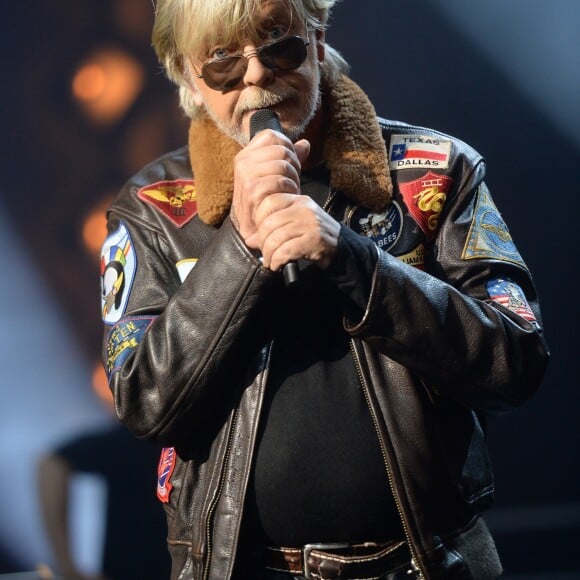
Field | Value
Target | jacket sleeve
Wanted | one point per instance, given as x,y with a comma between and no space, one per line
448,325
171,358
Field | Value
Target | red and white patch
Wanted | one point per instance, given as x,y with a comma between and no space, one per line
510,296
425,198
175,199
416,151
164,472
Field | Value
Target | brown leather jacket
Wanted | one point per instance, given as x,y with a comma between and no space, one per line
452,331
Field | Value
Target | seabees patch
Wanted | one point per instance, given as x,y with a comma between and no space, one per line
174,199
383,228
488,235
118,267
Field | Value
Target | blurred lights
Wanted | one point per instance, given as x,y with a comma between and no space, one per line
94,229
107,84
100,385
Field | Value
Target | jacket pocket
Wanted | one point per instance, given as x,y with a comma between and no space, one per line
465,454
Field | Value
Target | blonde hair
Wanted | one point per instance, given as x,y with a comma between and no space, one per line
183,27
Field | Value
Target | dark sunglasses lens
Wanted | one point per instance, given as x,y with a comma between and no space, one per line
224,74
286,54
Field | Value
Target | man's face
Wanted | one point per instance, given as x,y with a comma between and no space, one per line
293,95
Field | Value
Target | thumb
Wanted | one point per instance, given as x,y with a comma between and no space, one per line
302,149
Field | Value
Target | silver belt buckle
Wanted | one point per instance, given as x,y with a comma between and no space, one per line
307,548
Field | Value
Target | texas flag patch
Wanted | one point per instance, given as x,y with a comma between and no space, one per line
417,151
511,296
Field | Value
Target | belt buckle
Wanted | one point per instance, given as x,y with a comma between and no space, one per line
307,548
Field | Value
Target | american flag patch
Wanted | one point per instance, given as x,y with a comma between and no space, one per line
511,296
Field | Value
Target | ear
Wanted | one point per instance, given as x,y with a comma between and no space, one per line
195,93
320,44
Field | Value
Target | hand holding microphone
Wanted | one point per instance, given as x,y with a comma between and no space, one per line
261,120
268,211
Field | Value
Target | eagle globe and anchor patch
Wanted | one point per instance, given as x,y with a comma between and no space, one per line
489,236
382,228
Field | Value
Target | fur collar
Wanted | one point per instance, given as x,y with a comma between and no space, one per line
354,151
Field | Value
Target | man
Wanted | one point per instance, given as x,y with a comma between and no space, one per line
330,426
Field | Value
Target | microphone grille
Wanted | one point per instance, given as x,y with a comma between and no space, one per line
264,119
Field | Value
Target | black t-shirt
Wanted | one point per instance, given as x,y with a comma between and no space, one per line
319,474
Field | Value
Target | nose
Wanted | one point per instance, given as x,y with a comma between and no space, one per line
256,73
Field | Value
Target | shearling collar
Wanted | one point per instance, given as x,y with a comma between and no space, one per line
354,151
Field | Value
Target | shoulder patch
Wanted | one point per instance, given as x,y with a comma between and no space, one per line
416,151
118,267
489,236
425,198
511,296
175,199
383,228
123,339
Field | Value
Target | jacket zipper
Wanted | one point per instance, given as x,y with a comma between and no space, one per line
214,503
414,559
329,200
213,506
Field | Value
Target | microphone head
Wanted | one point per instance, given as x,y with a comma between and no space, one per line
264,119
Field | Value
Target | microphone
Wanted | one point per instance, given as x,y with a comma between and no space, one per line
266,119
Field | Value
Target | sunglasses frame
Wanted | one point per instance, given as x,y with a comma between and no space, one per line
223,87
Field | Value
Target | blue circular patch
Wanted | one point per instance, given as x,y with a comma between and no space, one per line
383,228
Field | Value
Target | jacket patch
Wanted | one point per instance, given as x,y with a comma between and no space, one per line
164,472
488,235
123,339
383,228
118,267
511,296
415,258
184,267
416,151
425,198
174,199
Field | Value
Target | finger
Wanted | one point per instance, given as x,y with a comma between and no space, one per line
271,142
273,204
302,149
298,231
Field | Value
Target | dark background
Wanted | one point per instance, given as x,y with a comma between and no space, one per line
471,71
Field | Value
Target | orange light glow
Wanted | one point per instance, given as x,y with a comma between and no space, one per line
94,229
101,385
107,84
89,83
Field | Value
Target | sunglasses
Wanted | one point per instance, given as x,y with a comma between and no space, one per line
223,74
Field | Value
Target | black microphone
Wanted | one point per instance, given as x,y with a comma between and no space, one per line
266,119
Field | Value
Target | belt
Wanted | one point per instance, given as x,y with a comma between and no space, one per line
340,560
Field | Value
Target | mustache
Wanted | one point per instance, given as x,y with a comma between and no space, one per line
264,98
